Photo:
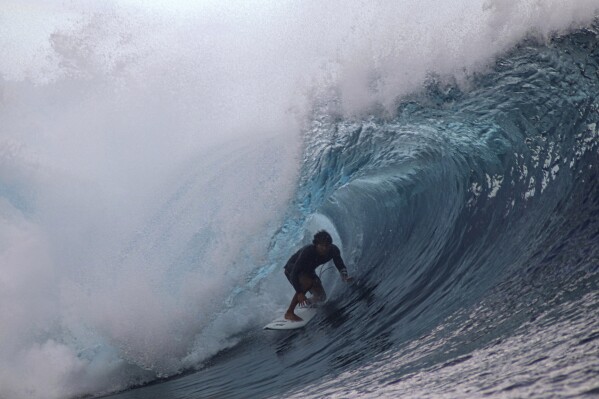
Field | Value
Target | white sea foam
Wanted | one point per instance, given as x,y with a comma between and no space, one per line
147,153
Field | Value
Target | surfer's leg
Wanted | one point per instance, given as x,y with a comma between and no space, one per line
306,284
290,314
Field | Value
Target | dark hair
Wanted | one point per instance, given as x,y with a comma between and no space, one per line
322,237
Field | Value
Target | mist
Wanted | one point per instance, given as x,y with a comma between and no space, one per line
149,151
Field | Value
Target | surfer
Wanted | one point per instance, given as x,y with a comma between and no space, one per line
300,271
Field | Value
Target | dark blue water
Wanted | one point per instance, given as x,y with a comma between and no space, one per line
470,221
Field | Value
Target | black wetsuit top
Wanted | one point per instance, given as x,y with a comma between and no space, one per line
307,259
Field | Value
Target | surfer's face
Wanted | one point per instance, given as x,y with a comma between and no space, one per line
322,249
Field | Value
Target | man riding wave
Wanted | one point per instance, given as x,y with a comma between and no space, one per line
300,271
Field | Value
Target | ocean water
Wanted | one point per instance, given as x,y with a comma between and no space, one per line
160,163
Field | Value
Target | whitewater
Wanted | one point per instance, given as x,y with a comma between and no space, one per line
159,163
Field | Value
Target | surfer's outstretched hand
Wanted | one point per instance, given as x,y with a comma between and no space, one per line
302,300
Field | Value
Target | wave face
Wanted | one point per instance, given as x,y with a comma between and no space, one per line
470,220
142,242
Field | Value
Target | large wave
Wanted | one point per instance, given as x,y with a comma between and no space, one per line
159,165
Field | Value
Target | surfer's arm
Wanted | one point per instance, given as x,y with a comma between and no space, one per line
340,265
299,291
296,283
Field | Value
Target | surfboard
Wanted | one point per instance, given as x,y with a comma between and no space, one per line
282,323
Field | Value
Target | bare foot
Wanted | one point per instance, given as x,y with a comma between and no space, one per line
292,316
